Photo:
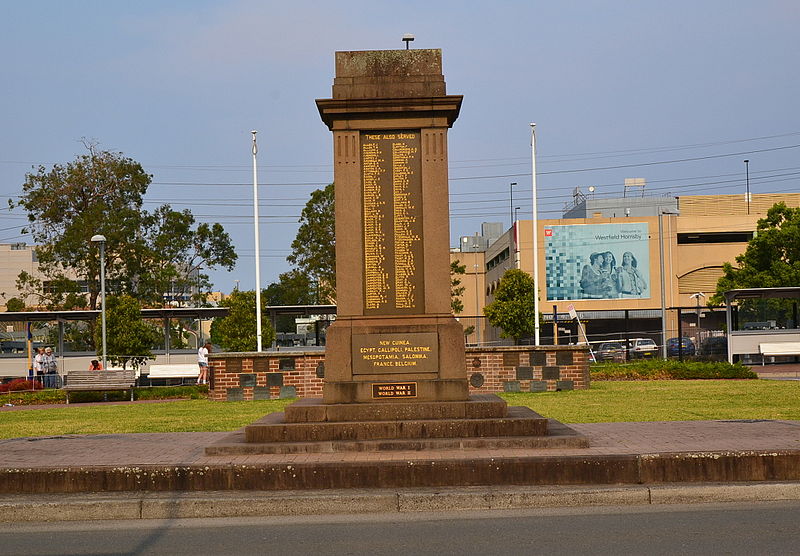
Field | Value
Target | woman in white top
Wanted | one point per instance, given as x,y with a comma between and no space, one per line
202,362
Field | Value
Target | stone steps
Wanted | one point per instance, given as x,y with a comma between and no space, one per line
559,436
521,421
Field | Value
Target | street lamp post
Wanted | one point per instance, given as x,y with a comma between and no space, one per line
661,213
101,242
697,297
747,184
511,198
477,302
257,246
535,238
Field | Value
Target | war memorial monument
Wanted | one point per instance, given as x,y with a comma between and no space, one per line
394,371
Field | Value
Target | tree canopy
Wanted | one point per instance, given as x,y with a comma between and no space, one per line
129,340
293,288
314,246
456,289
147,254
237,331
772,257
513,308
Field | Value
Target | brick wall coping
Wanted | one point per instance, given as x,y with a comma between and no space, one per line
272,353
490,349
469,349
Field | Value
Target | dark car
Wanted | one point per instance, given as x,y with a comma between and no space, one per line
676,346
610,351
715,347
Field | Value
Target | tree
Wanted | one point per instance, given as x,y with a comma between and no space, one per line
173,254
237,331
456,289
772,257
513,308
129,340
101,193
314,246
15,304
293,288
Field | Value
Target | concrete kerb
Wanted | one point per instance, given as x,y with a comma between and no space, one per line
131,505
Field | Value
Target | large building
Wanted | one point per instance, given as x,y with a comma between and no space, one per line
582,257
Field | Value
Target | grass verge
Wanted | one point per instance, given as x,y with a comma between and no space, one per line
178,416
667,400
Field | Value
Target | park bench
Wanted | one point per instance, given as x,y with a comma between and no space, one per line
171,374
93,381
774,349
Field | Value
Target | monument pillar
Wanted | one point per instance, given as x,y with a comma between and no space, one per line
394,338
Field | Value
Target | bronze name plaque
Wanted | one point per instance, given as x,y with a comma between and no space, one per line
394,390
391,178
416,352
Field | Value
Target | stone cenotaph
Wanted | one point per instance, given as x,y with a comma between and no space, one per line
395,372
394,337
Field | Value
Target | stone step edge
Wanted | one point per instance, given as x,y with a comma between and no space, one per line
221,504
236,445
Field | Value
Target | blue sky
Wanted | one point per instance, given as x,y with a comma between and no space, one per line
678,93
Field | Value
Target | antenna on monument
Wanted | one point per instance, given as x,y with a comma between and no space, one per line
407,38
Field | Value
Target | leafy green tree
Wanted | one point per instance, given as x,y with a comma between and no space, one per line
173,253
772,257
237,331
15,304
456,289
314,246
129,340
292,288
513,308
146,254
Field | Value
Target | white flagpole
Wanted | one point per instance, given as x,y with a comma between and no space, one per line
258,251
535,237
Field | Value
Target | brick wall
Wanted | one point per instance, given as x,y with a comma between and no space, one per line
267,375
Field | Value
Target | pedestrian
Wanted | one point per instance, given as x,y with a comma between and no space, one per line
38,371
202,362
49,368
95,365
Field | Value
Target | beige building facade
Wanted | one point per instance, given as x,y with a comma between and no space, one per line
691,246
14,258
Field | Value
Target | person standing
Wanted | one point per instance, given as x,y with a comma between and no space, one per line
630,282
49,368
38,370
202,362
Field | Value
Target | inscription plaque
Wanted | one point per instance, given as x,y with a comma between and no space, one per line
416,352
391,179
394,390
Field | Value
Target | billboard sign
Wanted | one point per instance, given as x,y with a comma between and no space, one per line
597,261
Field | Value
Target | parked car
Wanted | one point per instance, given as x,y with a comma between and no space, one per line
610,351
678,346
642,347
715,347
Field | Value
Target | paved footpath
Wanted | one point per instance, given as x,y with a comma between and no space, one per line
173,450
187,448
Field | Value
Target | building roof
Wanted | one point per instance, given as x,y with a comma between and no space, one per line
789,292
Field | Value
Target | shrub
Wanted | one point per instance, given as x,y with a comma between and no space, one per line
659,369
20,384
53,396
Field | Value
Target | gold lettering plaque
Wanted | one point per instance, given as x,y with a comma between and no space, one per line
391,178
416,352
394,390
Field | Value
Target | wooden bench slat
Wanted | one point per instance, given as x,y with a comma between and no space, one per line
100,380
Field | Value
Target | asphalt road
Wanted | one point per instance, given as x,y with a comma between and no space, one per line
758,528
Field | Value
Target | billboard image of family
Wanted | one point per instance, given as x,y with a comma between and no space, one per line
597,261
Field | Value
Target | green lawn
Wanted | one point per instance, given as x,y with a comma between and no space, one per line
606,401
668,400
173,416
